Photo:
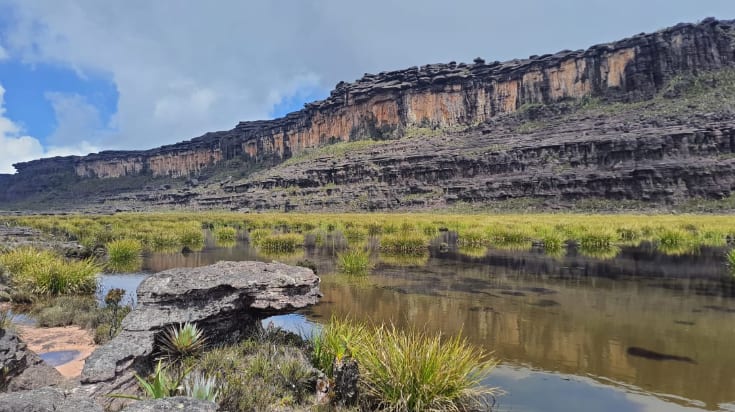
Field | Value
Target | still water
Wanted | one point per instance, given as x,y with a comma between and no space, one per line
640,332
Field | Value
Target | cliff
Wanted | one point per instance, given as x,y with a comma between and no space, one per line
451,96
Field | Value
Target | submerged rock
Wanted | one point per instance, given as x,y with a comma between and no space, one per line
21,368
225,300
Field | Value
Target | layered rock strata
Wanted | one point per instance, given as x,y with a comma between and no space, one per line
444,95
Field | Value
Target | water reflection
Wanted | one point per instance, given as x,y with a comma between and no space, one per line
562,325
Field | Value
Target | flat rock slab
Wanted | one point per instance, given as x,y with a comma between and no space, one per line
46,400
225,300
175,404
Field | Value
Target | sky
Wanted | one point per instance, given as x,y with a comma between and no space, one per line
80,76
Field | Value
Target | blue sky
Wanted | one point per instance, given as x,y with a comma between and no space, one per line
85,75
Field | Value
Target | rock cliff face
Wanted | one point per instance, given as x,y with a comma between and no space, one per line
451,97
443,95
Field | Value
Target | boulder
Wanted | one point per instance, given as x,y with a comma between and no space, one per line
47,400
175,404
20,368
226,300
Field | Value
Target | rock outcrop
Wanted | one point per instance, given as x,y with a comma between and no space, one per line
20,368
225,300
440,97
46,400
175,404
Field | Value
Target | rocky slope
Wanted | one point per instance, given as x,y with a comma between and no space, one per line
645,119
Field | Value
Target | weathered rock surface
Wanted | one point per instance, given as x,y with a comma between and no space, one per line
176,404
20,368
385,105
46,400
225,300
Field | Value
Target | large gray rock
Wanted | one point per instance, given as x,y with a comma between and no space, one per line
225,299
46,400
21,368
176,404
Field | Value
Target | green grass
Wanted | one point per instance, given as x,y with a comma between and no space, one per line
353,262
281,243
407,370
43,272
406,243
730,258
124,255
225,234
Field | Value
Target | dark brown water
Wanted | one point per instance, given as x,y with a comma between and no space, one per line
641,332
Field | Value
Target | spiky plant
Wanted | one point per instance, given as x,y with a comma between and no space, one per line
183,341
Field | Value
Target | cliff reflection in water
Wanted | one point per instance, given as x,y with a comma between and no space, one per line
574,315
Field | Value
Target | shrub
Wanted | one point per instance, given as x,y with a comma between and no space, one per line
45,273
353,262
124,255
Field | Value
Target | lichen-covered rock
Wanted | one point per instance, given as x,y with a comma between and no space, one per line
46,400
20,368
225,300
176,404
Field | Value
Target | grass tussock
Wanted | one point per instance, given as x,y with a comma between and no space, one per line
404,243
287,243
354,262
225,234
730,258
124,255
42,272
407,370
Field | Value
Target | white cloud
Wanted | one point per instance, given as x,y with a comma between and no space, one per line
16,147
183,68
3,53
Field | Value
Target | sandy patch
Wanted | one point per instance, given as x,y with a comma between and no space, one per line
42,340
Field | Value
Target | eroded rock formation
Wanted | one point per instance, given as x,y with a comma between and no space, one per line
20,368
382,105
225,300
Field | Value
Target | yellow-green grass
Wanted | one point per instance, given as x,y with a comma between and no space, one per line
124,255
354,262
407,370
500,230
42,272
407,243
225,234
283,242
730,258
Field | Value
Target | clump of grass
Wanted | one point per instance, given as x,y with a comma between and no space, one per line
472,238
553,243
403,243
282,243
260,375
673,237
407,370
599,239
353,262
730,257
257,235
225,234
191,238
43,272
124,255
